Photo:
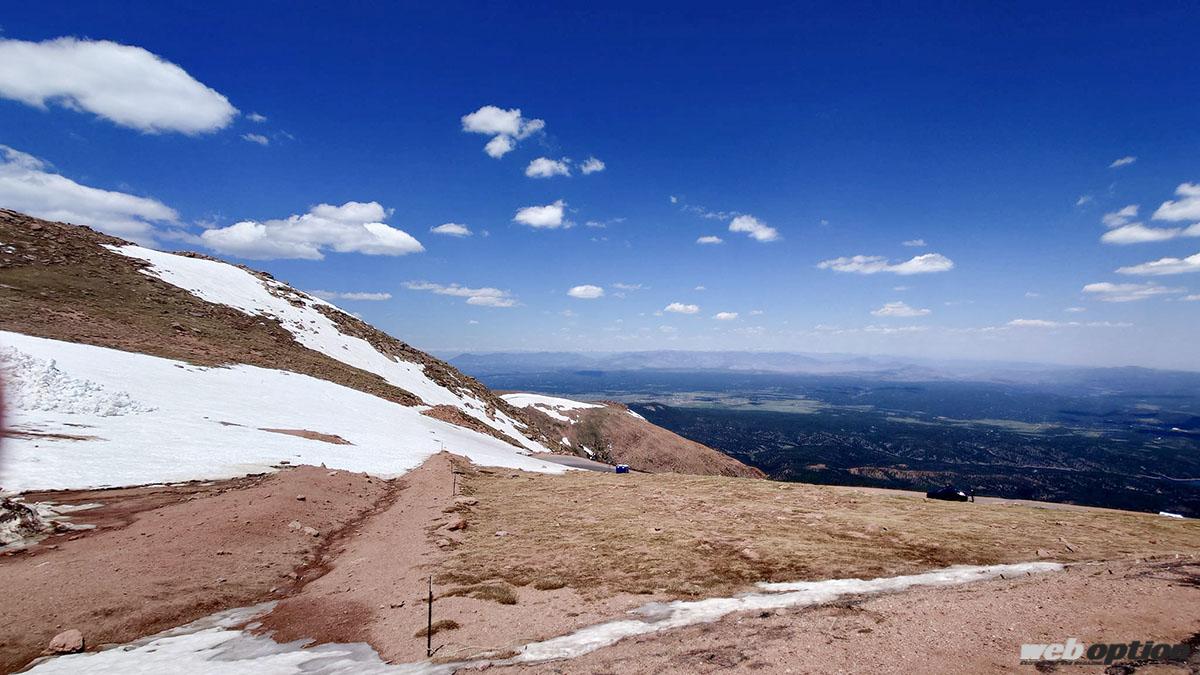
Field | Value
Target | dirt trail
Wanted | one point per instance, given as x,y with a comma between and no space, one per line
162,556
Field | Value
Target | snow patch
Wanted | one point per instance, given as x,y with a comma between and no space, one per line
224,284
551,405
39,384
182,437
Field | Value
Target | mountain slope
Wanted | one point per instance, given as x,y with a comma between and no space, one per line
613,433
129,365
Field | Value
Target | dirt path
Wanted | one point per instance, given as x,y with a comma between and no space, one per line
975,628
162,556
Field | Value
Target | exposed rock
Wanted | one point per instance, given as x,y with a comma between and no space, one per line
66,642
457,524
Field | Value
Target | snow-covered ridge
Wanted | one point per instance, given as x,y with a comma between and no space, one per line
298,313
185,422
551,405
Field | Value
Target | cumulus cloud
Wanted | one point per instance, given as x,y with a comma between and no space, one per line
30,185
544,167
549,216
353,227
915,243
1124,161
725,316
591,165
586,292
900,309
452,230
362,296
1164,266
506,127
874,264
256,138
758,230
1110,292
710,239
126,85
1185,208
482,297
681,308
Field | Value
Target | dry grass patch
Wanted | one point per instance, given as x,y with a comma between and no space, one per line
438,626
496,592
690,536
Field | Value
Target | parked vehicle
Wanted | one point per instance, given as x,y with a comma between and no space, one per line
951,494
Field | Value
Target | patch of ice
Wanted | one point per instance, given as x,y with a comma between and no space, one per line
209,646
39,384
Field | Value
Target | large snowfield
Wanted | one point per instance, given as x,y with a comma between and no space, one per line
159,420
551,405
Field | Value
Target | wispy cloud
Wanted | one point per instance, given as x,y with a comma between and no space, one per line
1124,161
1110,292
452,230
681,308
1185,208
915,243
710,239
482,297
256,138
873,264
900,309
1164,266
352,295
725,316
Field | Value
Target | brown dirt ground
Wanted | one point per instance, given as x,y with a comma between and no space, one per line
692,536
974,628
161,556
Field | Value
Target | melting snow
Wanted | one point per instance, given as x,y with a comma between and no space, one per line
225,284
182,437
38,384
212,646
551,405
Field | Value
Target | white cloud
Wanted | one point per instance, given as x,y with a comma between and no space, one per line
1137,233
481,297
353,295
549,216
1084,200
725,316
1120,217
758,230
680,308
710,239
452,230
900,309
591,165
1187,208
1076,310
628,287
1110,292
353,227
506,127
1191,298
700,288
1043,323
1032,294
126,85
1164,266
256,118
1124,161
915,243
586,292
544,167
30,185
256,138
873,264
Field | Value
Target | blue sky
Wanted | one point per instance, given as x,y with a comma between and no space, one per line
801,136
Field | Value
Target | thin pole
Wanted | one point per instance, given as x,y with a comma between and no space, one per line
429,627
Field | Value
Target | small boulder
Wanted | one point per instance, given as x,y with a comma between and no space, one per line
311,531
466,501
501,533
300,498
457,524
295,525
66,642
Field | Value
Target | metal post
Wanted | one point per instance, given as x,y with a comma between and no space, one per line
429,627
